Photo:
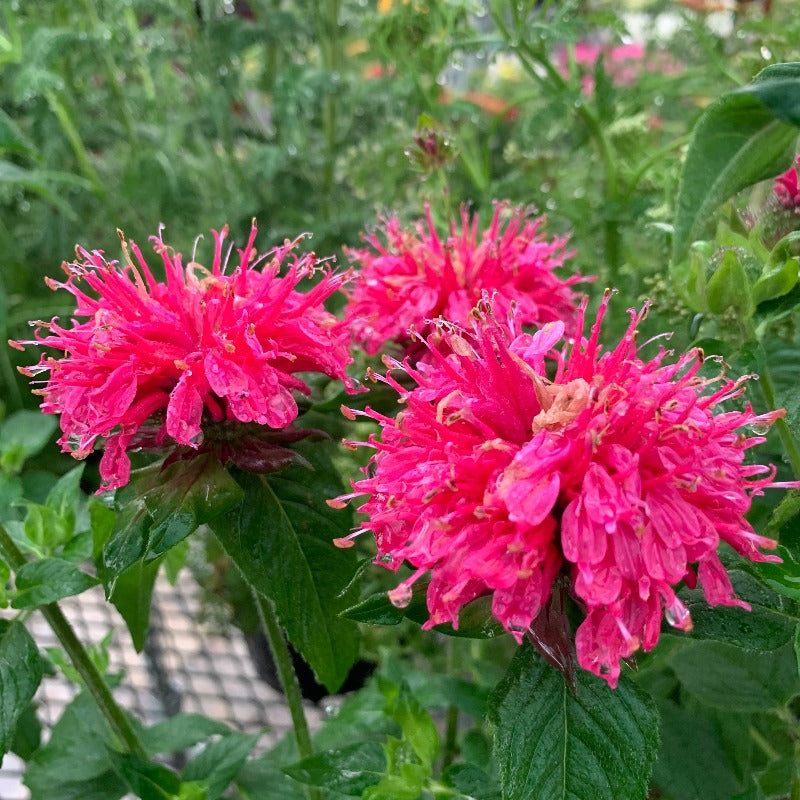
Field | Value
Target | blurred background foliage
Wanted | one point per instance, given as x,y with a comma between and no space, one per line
314,116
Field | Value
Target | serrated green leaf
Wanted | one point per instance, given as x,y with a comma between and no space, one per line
281,538
348,770
47,580
599,744
180,733
218,763
742,138
732,679
20,674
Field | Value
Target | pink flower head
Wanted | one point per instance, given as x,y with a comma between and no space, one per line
204,347
623,473
622,63
787,189
415,276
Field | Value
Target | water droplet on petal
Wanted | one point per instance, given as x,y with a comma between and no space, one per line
759,428
677,615
401,596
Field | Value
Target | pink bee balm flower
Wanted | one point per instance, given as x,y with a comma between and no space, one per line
622,472
415,276
787,189
205,349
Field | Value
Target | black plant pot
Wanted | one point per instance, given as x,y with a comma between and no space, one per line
309,687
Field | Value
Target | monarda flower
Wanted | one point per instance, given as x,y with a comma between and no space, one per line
409,277
190,361
622,473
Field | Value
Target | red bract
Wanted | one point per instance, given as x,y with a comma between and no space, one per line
786,187
625,473
415,276
202,347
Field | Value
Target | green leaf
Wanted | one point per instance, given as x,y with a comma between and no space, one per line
281,537
767,626
783,577
475,620
175,561
599,744
102,520
729,288
20,674
132,595
76,764
65,497
28,736
47,580
23,434
263,779
405,778
777,88
180,733
743,137
775,281
218,763
777,779
148,781
5,577
692,763
348,770
414,721
10,493
43,527
160,507
733,679
471,781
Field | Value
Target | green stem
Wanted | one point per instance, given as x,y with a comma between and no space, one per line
75,140
450,747
763,745
787,439
291,688
89,673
